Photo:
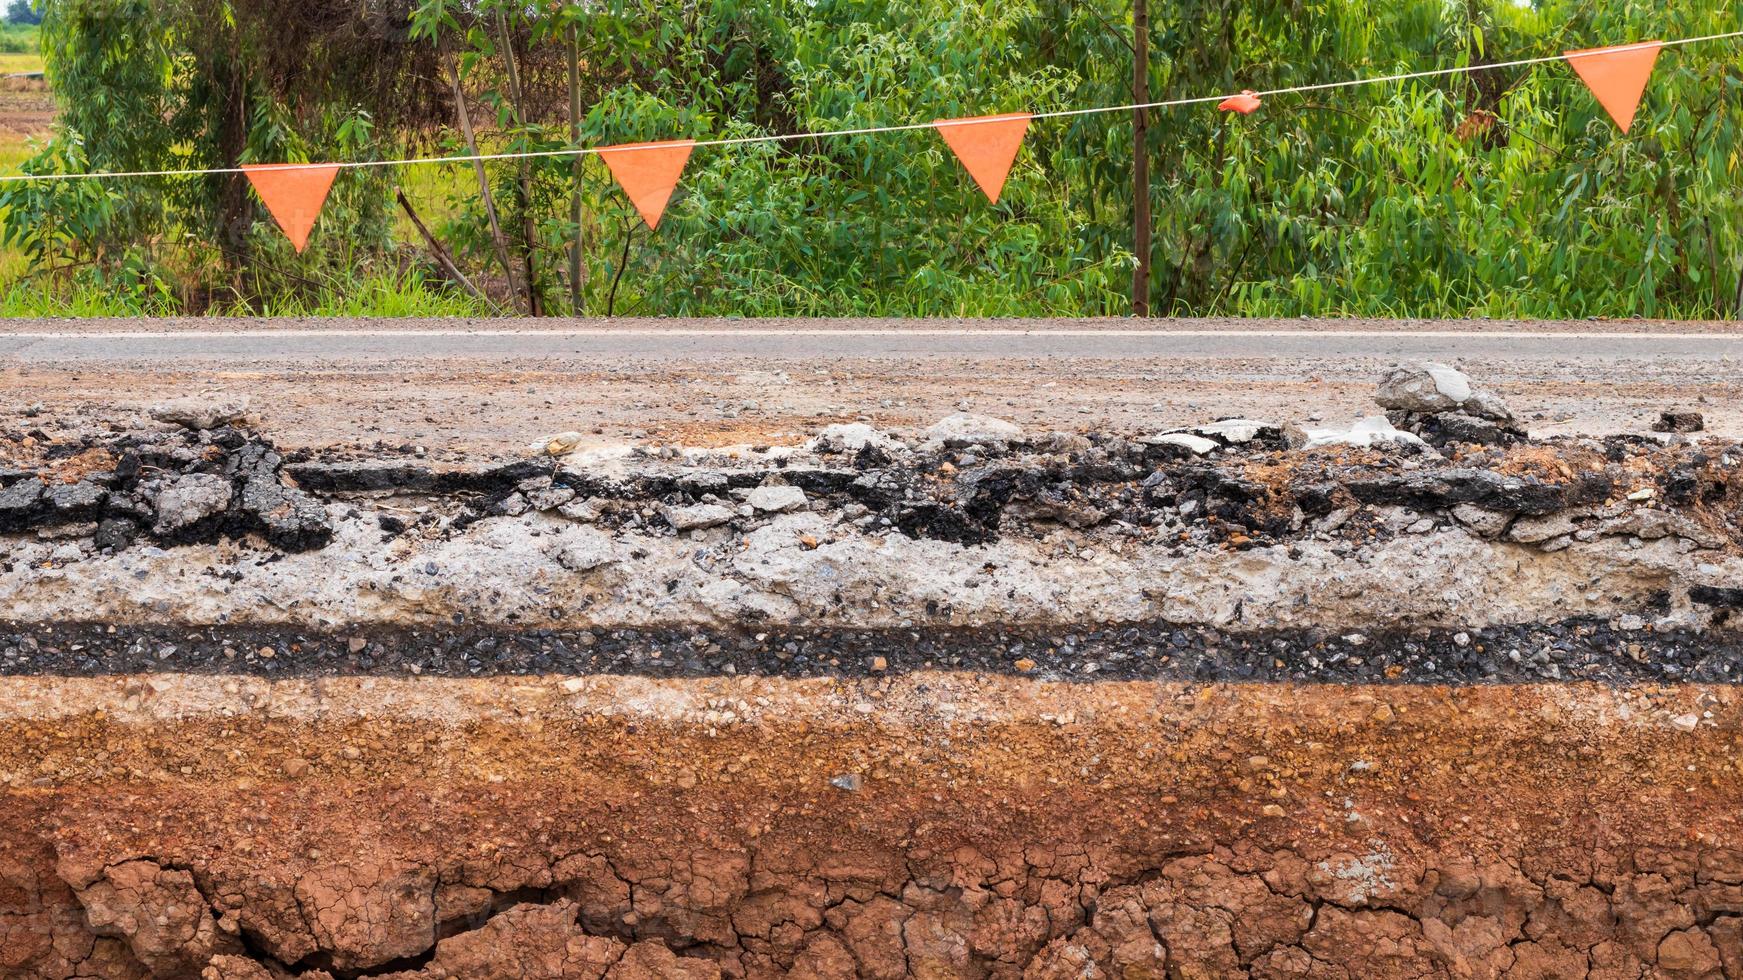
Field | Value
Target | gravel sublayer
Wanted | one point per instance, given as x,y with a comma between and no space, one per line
1572,649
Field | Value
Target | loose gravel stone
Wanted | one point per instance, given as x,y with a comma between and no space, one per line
964,429
776,499
207,412
186,501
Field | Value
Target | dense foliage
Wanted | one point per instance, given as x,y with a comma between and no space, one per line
1505,192
17,37
195,84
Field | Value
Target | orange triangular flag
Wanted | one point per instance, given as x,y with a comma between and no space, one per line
987,146
294,194
648,173
1246,103
1617,76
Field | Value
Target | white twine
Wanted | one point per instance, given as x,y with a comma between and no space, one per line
870,130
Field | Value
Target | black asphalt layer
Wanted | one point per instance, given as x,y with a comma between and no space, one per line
1564,651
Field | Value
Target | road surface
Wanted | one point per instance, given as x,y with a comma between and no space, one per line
491,387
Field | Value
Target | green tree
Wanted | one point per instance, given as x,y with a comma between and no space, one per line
22,12
1505,191
152,85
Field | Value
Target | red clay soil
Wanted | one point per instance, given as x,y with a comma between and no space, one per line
928,826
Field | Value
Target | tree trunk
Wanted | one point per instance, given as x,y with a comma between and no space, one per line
235,207
577,268
1140,158
438,251
483,179
529,230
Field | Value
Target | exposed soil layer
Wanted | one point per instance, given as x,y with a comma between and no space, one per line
973,702
1583,649
940,825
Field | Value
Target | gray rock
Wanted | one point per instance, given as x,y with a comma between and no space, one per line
1486,404
68,499
1197,445
1371,431
965,429
1537,530
698,516
1424,387
1486,522
851,437
513,505
1431,387
849,782
582,550
581,511
550,498
1650,525
189,500
203,412
776,499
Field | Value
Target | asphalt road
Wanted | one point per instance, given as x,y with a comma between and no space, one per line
239,343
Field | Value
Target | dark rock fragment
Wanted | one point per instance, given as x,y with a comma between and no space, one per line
19,503
115,534
75,501
1713,595
290,518
1675,421
1433,489
1441,428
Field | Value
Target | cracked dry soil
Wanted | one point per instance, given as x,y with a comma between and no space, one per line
1126,711
622,827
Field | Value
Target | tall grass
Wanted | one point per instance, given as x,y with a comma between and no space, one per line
405,294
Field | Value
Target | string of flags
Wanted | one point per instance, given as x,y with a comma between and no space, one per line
986,146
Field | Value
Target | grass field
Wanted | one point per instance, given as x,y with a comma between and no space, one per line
18,49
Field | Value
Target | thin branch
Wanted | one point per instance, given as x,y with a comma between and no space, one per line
622,264
441,255
483,179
